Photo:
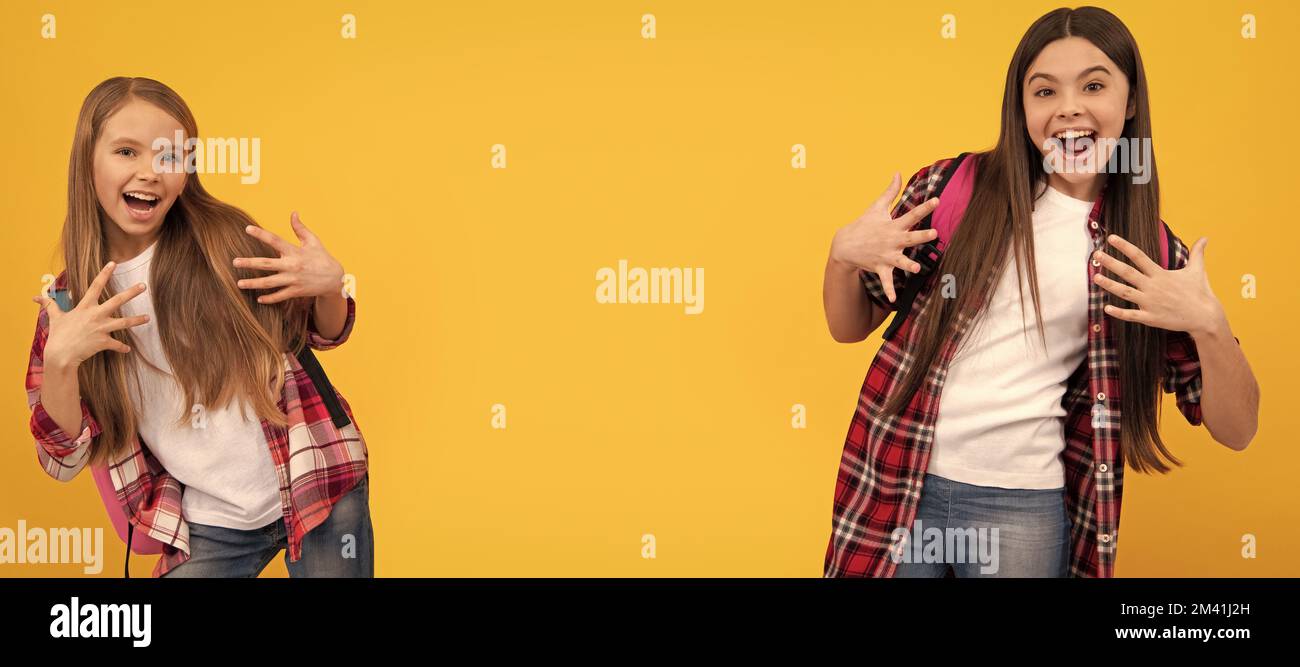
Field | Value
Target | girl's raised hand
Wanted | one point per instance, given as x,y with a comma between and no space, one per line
1179,300
84,331
875,241
306,271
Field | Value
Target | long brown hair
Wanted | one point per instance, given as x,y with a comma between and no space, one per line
221,344
999,217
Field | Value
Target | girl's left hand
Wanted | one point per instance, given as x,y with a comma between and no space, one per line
307,271
1179,300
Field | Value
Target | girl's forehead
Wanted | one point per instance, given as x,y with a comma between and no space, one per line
1065,59
141,122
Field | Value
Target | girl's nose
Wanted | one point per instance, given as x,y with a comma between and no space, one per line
1069,107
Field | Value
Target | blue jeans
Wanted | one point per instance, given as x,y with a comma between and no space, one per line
986,532
342,546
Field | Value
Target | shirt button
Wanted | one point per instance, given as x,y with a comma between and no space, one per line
1096,327
1093,224
1105,537
1103,467
1096,262
1101,395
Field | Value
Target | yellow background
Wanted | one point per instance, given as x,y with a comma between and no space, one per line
476,286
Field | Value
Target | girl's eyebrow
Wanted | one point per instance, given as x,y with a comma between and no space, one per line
1049,77
128,141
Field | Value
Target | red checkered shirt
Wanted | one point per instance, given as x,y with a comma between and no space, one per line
316,462
878,486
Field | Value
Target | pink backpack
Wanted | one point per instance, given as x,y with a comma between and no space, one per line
956,185
143,545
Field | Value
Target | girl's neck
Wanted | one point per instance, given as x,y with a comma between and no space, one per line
1086,191
122,247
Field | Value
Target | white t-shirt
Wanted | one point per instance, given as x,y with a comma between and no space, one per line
223,458
1000,417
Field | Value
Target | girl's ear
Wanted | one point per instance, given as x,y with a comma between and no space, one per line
1132,107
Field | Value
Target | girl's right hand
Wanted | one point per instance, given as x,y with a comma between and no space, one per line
84,331
875,241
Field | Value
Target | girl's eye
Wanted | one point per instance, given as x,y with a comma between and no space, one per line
1090,88
169,157
128,150
1040,91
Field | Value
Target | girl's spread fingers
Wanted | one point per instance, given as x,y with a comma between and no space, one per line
1120,269
1126,314
97,285
265,282
259,263
1117,288
300,229
918,213
1140,259
1197,254
276,297
49,305
906,264
122,297
127,322
923,236
281,246
887,283
882,202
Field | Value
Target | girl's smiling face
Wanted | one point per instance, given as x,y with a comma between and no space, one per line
1073,90
136,197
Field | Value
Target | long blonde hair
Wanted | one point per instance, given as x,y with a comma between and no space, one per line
221,344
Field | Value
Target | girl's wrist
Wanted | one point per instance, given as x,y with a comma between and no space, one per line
59,364
332,296
1214,329
1211,325
839,264
336,291
842,267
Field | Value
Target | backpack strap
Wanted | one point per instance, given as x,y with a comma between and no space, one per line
126,565
958,180
1167,258
956,188
323,387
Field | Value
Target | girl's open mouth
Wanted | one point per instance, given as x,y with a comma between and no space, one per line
1075,143
140,204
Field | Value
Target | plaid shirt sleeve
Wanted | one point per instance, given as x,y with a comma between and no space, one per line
60,455
318,342
916,192
1182,373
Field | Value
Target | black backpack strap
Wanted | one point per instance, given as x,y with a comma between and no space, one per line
323,387
1171,244
927,255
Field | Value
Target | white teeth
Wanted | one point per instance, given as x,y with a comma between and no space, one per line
145,196
1073,134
